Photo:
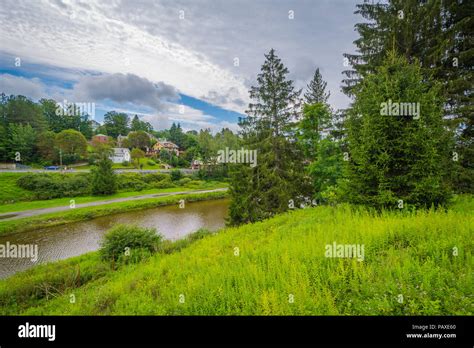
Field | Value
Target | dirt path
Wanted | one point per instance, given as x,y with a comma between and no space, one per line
34,212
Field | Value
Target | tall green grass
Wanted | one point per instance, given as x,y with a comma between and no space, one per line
280,268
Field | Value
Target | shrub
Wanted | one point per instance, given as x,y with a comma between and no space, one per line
165,183
184,181
176,175
126,163
151,163
120,237
47,186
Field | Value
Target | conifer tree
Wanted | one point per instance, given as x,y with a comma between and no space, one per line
316,90
266,189
397,160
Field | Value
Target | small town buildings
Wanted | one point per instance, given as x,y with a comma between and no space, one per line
166,145
196,164
120,155
100,138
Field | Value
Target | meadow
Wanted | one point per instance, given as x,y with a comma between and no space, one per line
415,263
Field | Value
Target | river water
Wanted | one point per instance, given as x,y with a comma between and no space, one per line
64,241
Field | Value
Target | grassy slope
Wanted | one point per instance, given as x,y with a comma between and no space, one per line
38,204
410,255
9,191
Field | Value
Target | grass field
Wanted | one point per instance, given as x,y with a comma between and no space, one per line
414,264
9,191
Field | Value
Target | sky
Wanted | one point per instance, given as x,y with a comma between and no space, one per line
191,62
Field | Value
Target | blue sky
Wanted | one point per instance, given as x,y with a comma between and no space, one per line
169,61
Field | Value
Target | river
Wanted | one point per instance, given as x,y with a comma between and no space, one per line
64,241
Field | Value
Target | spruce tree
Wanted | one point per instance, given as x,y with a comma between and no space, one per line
278,178
103,177
438,34
397,161
316,90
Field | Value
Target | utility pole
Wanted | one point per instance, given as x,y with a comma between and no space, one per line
60,157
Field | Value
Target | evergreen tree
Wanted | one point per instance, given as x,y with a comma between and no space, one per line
438,34
266,189
316,90
397,158
103,177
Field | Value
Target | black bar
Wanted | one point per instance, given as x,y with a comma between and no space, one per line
242,330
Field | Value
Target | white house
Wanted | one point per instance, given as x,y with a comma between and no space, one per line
121,154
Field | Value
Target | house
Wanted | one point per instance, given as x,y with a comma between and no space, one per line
196,164
100,138
120,155
167,145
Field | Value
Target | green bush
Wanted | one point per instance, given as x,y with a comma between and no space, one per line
176,175
184,181
151,163
126,163
48,186
165,183
125,240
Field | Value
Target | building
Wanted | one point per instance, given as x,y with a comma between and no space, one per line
166,145
196,164
100,138
120,155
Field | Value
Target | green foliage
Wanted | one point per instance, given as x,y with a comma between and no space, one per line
138,125
72,145
22,142
176,175
116,123
48,186
104,180
266,189
138,139
395,158
122,239
316,90
405,253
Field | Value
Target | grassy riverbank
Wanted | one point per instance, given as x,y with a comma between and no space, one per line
57,202
414,263
87,213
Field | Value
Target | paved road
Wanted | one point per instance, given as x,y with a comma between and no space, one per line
34,212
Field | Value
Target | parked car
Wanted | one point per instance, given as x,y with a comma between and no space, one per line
52,168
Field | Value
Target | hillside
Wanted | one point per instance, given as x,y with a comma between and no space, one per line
279,268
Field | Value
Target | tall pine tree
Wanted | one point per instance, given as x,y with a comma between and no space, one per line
278,178
438,34
397,160
316,90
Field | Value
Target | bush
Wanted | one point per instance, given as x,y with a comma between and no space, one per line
151,163
121,239
184,181
126,163
48,186
165,183
176,175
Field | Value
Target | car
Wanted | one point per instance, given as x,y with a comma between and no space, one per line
52,168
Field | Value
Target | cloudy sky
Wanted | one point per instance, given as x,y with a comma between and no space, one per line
170,61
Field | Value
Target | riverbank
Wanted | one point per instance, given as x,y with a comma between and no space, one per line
416,263
87,213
